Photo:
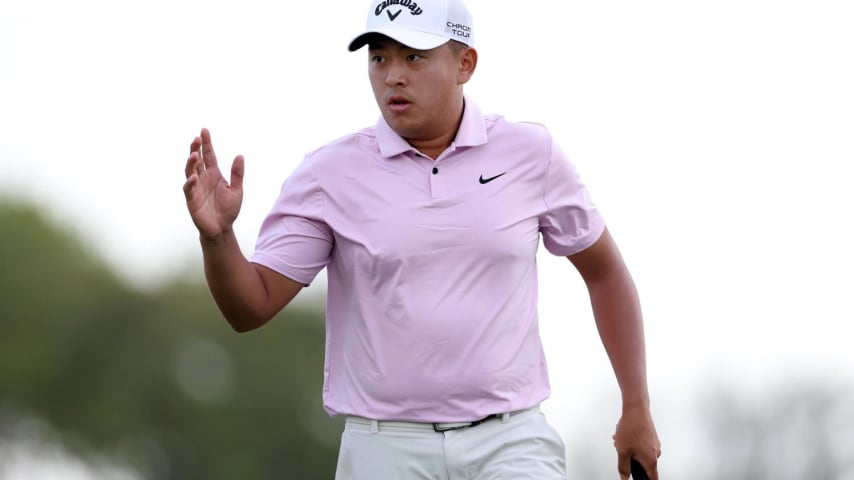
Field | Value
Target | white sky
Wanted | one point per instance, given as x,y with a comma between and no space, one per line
717,137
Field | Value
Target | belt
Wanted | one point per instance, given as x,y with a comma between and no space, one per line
377,425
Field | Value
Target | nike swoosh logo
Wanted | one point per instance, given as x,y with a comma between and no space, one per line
484,181
392,17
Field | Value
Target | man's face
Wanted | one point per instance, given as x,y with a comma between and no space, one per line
419,92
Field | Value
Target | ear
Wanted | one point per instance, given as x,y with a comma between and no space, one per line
467,65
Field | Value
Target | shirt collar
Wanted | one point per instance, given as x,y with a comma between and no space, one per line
472,132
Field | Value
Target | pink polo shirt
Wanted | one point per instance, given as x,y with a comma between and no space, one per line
432,276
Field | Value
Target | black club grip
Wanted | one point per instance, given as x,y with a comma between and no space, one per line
638,473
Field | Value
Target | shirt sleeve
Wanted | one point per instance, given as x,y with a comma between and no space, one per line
294,240
571,221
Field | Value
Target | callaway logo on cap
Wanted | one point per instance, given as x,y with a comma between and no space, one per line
422,24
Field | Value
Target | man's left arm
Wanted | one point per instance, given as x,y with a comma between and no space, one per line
617,311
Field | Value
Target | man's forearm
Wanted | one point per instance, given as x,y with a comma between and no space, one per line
617,311
235,284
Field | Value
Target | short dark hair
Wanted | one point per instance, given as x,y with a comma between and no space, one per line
457,46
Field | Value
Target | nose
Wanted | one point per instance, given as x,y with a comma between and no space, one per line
396,75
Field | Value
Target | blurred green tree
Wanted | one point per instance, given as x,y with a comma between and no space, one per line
154,379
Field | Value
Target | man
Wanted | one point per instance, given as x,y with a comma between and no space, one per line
428,224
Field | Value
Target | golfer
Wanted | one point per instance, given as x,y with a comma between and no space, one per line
428,225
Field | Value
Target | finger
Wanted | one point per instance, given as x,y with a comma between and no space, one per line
195,145
208,155
649,464
651,470
624,465
192,165
189,185
237,173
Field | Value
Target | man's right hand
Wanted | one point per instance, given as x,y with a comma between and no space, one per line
213,203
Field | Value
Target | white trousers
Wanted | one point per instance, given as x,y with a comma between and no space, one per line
513,447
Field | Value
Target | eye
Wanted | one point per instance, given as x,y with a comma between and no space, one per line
377,59
413,57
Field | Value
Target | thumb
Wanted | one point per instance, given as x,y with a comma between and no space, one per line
237,173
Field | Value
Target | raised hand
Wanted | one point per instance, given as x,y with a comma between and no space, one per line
213,203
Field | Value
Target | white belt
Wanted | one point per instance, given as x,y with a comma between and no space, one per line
379,425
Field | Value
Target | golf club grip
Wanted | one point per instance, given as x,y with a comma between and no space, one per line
638,473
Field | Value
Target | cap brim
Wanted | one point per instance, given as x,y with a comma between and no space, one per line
412,39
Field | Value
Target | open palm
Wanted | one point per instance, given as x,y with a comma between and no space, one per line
213,203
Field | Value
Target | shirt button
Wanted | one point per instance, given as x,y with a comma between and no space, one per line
435,170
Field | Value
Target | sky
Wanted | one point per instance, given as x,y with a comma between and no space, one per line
716,137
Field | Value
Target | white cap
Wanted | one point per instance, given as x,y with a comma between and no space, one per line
422,24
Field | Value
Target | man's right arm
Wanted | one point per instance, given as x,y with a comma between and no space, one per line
247,294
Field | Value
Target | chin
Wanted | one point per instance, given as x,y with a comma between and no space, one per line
401,127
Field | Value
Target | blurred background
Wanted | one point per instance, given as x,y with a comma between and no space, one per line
717,138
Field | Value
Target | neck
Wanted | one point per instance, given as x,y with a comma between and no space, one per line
434,145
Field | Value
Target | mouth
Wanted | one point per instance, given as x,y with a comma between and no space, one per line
398,103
